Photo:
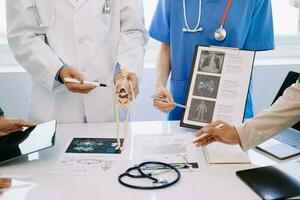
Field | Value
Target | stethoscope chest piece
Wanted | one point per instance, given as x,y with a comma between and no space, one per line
157,183
220,34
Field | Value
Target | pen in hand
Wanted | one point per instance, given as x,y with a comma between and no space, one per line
166,101
97,84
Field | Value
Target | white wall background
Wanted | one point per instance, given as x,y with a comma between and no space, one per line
15,89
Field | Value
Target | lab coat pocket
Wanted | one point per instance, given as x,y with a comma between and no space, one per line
109,26
44,12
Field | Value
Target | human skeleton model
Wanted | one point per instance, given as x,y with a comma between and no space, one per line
202,110
123,86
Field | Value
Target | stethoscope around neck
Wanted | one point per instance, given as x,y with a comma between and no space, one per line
220,33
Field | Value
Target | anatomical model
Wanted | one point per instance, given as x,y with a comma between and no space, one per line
123,91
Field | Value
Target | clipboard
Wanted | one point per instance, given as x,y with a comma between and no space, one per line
218,86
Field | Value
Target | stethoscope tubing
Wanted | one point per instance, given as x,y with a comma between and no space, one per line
220,33
144,175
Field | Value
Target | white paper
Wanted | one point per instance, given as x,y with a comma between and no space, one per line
165,148
218,153
84,164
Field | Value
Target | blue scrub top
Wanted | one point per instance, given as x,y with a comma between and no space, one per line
249,25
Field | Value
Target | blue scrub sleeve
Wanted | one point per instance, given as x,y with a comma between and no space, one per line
160,26
261,33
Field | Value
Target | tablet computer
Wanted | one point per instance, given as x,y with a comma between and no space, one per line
31,140
274,182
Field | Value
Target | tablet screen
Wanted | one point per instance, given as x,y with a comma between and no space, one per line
28,141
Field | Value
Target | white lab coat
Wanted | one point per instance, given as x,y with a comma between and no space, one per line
82,36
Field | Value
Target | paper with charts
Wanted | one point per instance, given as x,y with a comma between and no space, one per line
88,156
168,148
218,86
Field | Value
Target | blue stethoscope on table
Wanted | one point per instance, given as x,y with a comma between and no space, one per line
141,171
220,33
106,10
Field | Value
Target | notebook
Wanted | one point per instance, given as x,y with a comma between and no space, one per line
218,153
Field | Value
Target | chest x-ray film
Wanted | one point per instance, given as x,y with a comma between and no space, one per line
218,86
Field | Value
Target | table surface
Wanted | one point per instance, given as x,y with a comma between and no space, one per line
212,182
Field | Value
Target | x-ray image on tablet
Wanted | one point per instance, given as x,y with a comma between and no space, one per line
94,145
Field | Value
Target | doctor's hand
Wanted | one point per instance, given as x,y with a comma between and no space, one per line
8,126
132,77
226,134
4,183
73,72
162,106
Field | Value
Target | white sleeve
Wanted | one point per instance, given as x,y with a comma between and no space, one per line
283,114
27,41
133,37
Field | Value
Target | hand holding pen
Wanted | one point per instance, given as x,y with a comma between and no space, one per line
94,83
74,73
164,101
164,106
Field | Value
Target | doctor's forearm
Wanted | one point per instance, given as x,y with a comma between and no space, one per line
283,114
163,66
27,42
